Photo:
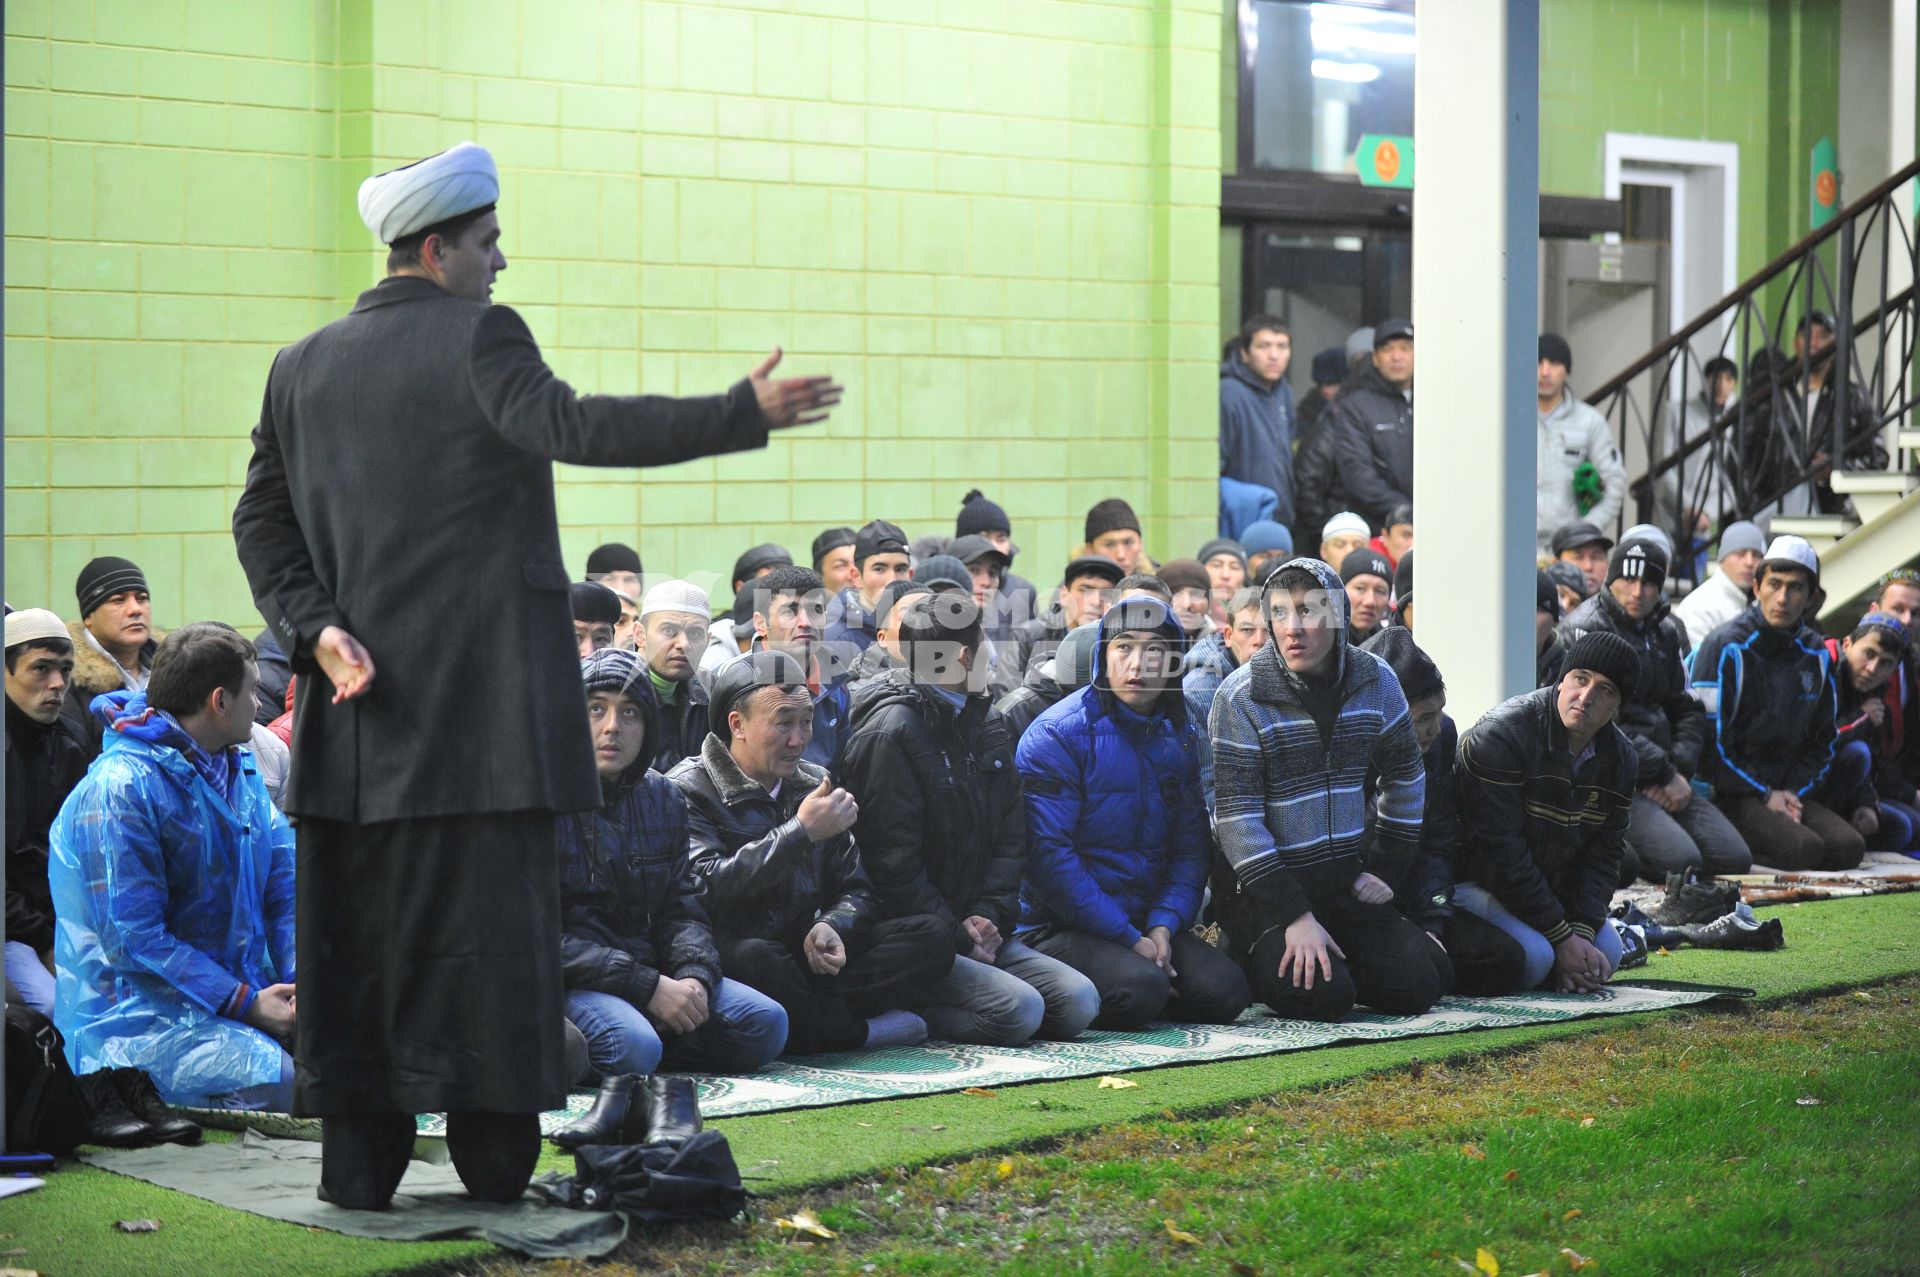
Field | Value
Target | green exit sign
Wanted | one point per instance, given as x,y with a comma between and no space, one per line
1383,159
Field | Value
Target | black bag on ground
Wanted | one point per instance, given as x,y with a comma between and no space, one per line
662,1183
44,1110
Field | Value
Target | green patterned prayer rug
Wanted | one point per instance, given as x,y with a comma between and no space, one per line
821,1080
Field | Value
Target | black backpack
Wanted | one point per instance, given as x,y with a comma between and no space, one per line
44,1110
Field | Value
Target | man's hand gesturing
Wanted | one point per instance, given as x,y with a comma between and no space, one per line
794,401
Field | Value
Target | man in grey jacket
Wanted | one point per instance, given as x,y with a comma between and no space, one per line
1572,435
418,430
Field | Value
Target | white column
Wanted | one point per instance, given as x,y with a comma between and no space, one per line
1476,231
1902,72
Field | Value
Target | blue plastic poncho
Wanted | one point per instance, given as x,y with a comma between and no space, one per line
172,876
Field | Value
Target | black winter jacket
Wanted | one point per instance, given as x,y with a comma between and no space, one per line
1034,697
44,763
1317,494
1771,703
760,875
1428,899
1372,430
943,825
1663,720
679,726
629,907
1544,837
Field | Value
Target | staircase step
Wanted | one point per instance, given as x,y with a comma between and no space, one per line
1910,440
1895,482
1819,530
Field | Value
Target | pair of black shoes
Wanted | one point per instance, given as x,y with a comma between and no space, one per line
124,1110
635,1109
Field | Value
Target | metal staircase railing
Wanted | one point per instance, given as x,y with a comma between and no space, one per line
1769,449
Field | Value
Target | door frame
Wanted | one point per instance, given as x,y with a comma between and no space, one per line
1627,160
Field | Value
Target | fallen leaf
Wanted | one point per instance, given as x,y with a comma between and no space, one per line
938,1126
1473,1151
1863,995
137,1225
1180,1235
1807,1101
1664,952
1117,1084
868,1125
1586,1122
19,1272
976,1090
1005,1168
1576,1260
1483,1260
803,1224
1243,1270
1571,1215
1511,1176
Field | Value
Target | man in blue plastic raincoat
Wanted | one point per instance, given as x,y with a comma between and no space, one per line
172,876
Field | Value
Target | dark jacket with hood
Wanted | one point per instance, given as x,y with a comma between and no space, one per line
1545,834
1293,763
629,907
676,728
942,827
1256,433
1372,431
44,762
1663,720
760,875
1885,779
1771,705
1428,899
1117,831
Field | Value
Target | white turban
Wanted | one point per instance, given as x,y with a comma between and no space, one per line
397,203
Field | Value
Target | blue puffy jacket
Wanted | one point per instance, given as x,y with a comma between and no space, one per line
172,877
1117,829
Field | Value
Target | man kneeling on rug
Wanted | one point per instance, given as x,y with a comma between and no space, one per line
793,911
1547,781
172,879
1304,889
643,975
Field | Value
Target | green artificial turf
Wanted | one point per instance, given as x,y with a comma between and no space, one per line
67,1227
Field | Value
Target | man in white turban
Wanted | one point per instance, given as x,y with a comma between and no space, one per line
419,429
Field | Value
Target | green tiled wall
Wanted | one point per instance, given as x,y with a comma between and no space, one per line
996,222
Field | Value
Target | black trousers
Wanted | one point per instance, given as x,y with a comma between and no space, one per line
1391,964
429,967
1486,960
1208,987
886,965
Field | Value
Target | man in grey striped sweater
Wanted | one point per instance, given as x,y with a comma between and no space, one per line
1303,888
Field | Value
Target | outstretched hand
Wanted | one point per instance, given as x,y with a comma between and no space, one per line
345,663
794,401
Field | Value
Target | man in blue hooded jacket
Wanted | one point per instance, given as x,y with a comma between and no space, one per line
1256,413
1117,833
173,885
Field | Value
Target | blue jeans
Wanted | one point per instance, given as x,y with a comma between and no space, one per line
1023,993
744,1029
30,977
1899,831
1480,902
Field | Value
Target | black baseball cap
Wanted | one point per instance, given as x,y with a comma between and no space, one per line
975,549
1392,328
878,537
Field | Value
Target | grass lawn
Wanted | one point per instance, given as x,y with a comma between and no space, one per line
67,1227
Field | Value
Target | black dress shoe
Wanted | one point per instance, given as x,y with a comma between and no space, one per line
109,1121
616,1117
673,1110
143,1100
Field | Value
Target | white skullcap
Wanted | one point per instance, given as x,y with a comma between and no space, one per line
401,201
676,596
1345,521
35,623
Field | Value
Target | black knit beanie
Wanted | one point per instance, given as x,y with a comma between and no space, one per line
1110,515
1554,347
977,514
1607,654
1403,581
614,557
103,578
1365,562
1546,595
1417,673
1638,561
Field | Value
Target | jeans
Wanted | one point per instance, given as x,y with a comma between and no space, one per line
1477,900
744,1029
1021,994
1207,987
1697,837
30,977
1899,830
1486,960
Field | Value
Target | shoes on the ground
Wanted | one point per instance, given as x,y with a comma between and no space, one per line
1732,931
1633,944
672,1107
143,1100
109,1121
618,1115
494,1153
1689,900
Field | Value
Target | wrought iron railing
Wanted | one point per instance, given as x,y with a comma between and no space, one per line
1795,331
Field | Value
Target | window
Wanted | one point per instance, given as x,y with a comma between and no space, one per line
1322,74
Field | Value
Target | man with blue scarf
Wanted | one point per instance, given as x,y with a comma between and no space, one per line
172,877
